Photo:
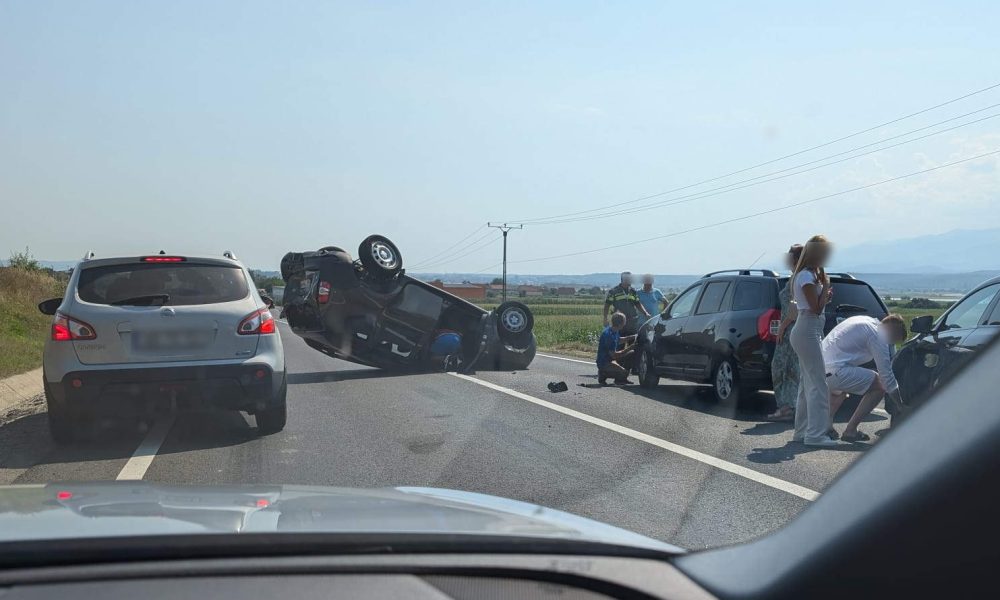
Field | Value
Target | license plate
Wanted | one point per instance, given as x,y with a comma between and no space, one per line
169,341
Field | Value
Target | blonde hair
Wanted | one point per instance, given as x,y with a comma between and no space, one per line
811,253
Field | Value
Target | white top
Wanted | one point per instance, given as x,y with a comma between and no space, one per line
804,277
856,341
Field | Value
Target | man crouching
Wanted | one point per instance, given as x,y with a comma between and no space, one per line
611,361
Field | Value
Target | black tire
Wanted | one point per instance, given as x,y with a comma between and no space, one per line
62,424
516,360
291,263
726,382
272,419
648,377
380,257
514,324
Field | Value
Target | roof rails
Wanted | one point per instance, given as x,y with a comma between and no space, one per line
763,272
229,254
841,275
88,255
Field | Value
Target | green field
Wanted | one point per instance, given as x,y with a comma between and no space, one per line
572,325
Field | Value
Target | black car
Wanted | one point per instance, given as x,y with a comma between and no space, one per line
721,330
370,312
939,349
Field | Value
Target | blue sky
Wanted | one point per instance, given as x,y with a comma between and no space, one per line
264,127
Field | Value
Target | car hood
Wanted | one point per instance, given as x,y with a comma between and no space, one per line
115,509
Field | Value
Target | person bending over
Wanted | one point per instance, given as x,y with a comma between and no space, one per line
852,343
612,361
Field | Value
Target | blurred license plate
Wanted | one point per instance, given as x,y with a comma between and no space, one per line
171,340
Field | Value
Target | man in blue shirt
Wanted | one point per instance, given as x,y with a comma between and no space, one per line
612,362
650,297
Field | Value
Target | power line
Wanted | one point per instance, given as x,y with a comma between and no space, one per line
751,181
760,213
774,160
473,249
449,248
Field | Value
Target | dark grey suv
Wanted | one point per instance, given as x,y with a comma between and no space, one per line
721,330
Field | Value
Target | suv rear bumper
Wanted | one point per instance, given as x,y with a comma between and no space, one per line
142,391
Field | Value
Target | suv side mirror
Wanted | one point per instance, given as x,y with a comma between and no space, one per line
50,306
924,324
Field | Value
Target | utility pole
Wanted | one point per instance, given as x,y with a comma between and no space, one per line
505,227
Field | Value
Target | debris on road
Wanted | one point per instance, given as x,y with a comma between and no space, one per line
558,386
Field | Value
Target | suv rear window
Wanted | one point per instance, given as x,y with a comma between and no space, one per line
749,295
855,294
183,284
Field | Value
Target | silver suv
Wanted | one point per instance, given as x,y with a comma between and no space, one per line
137,335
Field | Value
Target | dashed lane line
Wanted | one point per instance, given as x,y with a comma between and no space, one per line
143,456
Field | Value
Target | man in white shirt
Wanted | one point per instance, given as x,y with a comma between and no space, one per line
852,343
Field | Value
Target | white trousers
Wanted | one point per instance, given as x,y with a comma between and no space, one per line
812,408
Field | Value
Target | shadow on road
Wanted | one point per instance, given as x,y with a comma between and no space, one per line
25,441
346,375
790,450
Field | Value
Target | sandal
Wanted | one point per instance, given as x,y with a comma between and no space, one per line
857,437
783,414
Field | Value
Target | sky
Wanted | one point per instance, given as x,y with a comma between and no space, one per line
263,127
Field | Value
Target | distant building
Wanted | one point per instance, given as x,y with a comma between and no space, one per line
565,291
469,291
530,290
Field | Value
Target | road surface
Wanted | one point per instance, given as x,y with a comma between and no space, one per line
667,463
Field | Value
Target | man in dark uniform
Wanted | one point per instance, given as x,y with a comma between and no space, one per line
625,300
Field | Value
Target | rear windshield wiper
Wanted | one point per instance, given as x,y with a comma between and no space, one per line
851,308
147,300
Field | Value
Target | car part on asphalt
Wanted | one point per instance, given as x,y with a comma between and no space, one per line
557,386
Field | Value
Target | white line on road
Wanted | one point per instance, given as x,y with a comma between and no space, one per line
576,360
774,482
143,456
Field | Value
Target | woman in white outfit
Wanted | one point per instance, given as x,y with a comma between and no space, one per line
811,291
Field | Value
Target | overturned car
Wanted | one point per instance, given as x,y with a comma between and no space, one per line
370,312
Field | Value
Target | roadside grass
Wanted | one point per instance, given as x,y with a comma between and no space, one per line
22,328
572,326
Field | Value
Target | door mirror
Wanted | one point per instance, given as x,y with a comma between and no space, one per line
50,306
924,324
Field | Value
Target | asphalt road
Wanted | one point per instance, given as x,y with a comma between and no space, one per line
667,463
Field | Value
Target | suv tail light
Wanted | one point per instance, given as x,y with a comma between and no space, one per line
768,324
323,295
163,259
259,322
65,329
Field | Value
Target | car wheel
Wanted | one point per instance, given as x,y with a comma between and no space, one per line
272,419
510,359
380,256
514,324
648,377
725,381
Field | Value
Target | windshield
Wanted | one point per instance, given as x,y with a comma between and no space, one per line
180,284
521,269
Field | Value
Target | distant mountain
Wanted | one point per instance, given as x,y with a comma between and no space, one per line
587,280
958,251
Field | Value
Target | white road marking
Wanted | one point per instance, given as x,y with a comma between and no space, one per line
143,456
774,482
576,360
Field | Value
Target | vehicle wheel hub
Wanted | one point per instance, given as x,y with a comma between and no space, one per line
384,256
724,380
514,320
643,366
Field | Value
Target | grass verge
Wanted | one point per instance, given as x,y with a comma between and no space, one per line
22,328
